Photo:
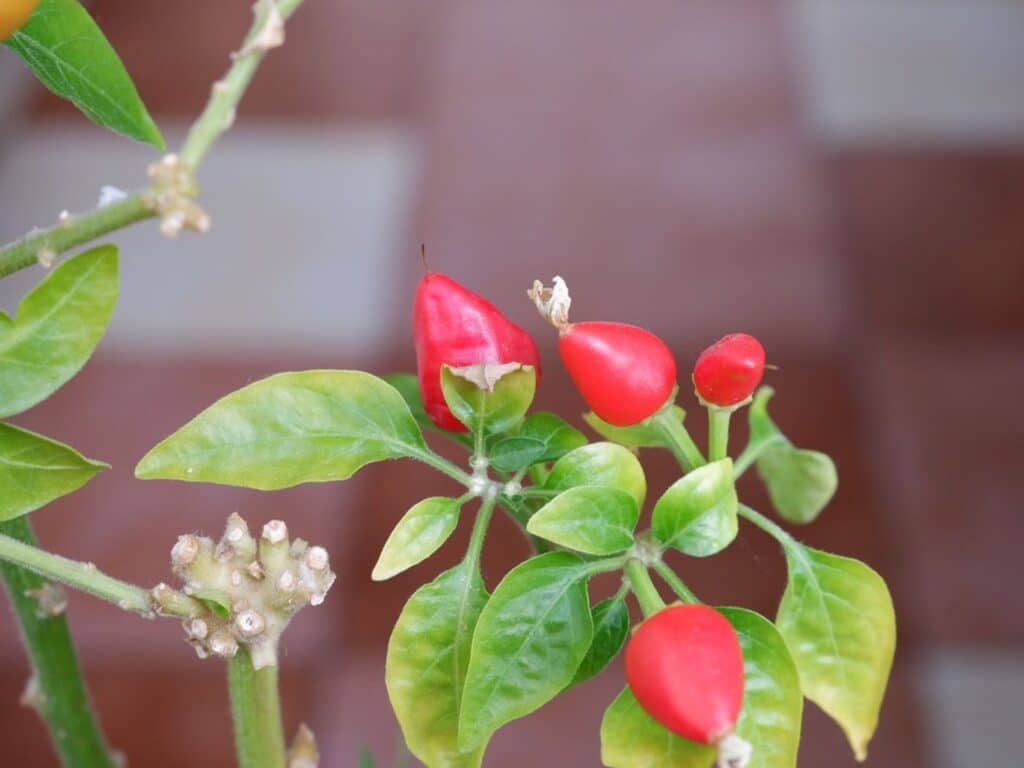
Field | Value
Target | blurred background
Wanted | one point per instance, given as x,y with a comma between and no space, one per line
843,178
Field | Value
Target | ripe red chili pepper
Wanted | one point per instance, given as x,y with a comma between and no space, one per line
685,668
454,326
624,373
729,370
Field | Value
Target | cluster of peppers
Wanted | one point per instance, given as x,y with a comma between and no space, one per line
684,664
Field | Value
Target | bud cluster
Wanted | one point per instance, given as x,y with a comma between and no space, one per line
252,588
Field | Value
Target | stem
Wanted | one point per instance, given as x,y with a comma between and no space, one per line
256,713
679,441
644,589
61,698
444,466
767,526
752,452
675,583
219,112
215,119
476,539
87,578
80,228
718,432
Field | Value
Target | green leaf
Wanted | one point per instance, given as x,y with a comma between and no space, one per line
214,599
70,55
291,428
630,738
772,699
611,630
800,482
35,470
488,397
426,666
418,535
646,434
697,514
599,464
409,388
593,520
366,759
58,325
543,437
531,638
838,620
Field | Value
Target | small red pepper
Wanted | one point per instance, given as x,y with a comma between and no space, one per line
624,373
454,326
729,370
685,668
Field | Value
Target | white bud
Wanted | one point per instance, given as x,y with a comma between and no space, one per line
512,488
286,582
197,629
224,645
255,570
184,551
275,531
250,624
317,559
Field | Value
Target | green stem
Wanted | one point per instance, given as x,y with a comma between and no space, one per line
444,466
219,113
752,452
718,432
644,589
256,713
675,583
82,576
767,526
215,119
78,229
476,539
679,441
60,695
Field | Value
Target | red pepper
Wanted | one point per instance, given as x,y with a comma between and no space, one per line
454,326
729,370
624,373
13,14
685,668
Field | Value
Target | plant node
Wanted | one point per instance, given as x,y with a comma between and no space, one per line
253,589
171,196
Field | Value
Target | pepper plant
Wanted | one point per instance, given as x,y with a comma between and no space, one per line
703,684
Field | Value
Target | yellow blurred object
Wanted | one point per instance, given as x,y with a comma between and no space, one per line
14,13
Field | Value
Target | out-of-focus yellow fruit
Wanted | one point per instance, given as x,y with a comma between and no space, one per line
14,13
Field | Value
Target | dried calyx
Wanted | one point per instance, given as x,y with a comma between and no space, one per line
251,588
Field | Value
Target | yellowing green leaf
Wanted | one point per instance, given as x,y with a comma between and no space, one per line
58,325
291,428
35,470
426,666
529,641
630,738
772,700
838,620
418,535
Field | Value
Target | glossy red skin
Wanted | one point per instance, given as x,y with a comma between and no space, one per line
685,668
624,373
729,370
454,326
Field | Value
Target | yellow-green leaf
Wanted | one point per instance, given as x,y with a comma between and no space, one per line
838,620
58,325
